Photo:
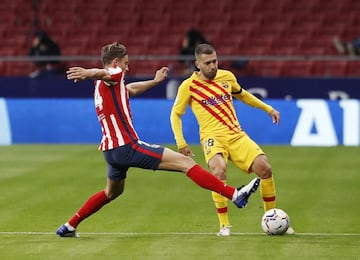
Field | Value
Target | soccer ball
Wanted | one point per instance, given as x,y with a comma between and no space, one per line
275,222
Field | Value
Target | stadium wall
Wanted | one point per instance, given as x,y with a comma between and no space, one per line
266,88
304,122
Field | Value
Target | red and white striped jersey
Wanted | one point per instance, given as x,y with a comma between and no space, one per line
113,111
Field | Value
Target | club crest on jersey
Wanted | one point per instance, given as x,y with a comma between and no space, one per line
224,84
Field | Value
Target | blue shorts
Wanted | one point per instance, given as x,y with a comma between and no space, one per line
135,154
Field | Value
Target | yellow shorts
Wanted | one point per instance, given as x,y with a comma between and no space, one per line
240,149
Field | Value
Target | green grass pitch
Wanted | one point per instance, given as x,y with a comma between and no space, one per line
163,215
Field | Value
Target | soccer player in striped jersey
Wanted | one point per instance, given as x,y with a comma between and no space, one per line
121,145
209,92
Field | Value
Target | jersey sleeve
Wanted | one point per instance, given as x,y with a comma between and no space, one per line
253,101
235,86
178,109
116,75
246,97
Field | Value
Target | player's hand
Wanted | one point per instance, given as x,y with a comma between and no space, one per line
76,74
275,116
161,74
186,151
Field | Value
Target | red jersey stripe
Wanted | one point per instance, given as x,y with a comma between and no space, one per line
223,91
231,117
214,113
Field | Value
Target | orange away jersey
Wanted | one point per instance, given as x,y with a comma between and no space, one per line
211,102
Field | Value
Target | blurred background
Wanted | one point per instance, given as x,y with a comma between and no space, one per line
261,38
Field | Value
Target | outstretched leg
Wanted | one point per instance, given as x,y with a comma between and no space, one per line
93,204
175,161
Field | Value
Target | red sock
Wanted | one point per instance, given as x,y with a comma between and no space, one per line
208,181
93,204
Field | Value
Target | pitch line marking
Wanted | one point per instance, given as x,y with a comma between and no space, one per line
169,233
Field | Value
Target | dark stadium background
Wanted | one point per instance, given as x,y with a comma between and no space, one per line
281,38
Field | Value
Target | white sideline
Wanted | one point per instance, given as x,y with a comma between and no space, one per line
170,233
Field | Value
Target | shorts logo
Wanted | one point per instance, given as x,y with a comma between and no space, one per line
149,145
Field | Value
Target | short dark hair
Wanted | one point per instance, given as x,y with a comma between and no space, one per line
111,51
204,48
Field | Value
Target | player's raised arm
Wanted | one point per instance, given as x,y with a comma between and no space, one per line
136,88
253,101
78,73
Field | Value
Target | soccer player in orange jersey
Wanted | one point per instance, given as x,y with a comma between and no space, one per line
209,92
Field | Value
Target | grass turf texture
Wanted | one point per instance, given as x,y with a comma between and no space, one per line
163,215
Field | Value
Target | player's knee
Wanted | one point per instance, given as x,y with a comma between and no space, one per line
266,172
263,170
188,161
262,167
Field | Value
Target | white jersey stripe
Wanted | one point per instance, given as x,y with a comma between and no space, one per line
107,134
117,130
102,144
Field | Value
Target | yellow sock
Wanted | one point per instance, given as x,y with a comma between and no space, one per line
267,191
221,205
